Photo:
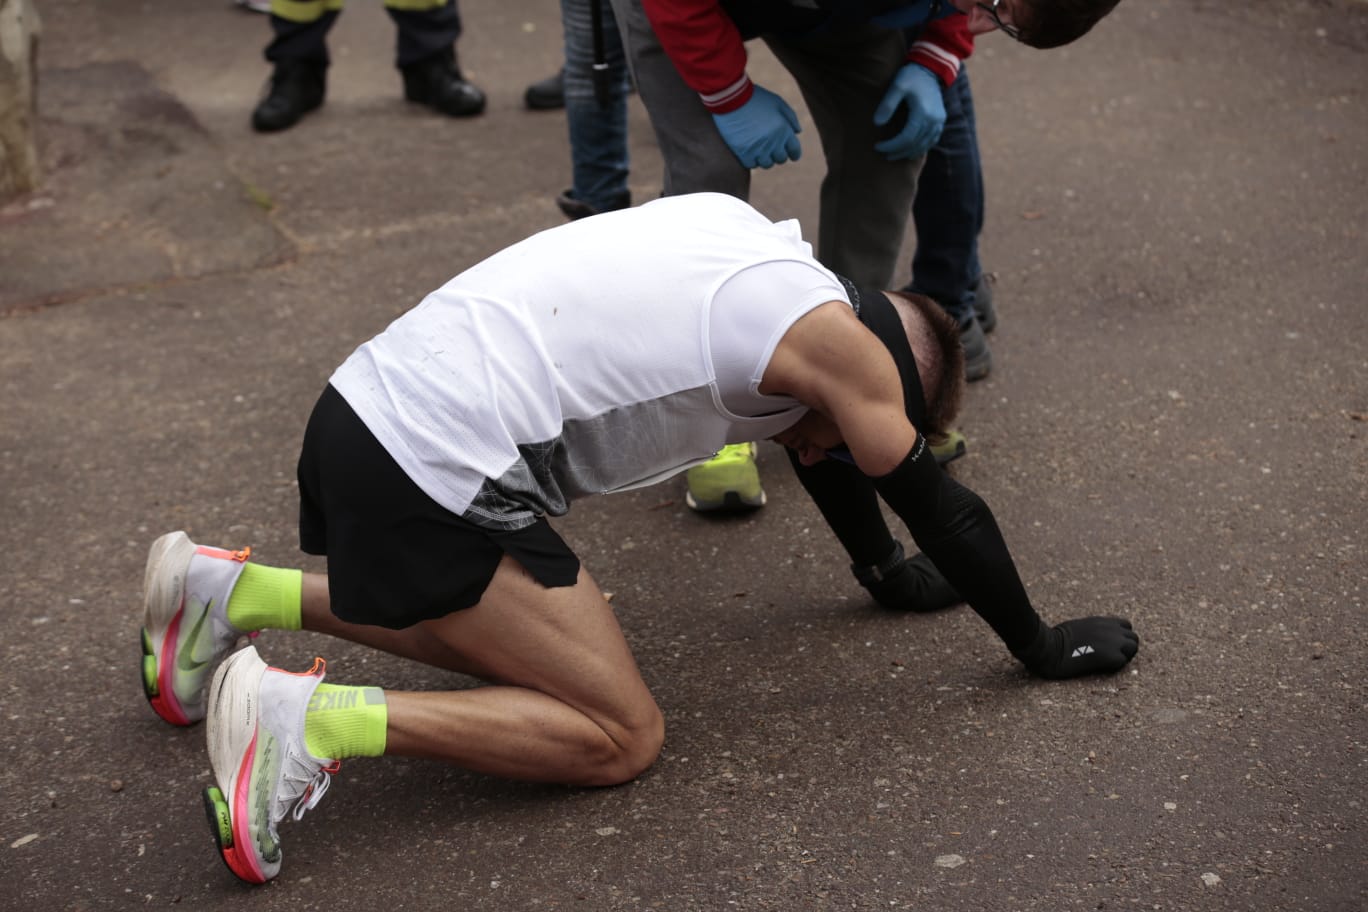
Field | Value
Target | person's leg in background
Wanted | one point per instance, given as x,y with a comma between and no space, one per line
428,30
299,55
695,156
696,160
426,56
546,94
865,198
948,215
595,109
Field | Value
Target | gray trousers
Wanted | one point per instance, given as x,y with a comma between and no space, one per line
865,199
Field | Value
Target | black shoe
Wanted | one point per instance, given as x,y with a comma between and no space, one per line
983,301
296,89
437,82
546,95
978,359
575,208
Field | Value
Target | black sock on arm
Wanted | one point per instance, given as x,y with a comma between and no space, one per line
956,530
850,505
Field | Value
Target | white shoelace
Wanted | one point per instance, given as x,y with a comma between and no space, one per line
314,786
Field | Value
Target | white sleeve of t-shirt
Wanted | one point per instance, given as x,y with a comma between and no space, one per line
749,314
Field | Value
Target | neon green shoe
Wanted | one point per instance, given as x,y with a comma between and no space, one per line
949,448
728,481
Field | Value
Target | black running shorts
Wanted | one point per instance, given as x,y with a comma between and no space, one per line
396,556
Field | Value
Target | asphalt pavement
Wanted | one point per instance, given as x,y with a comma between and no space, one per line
1174,431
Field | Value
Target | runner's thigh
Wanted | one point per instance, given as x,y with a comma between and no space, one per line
564,642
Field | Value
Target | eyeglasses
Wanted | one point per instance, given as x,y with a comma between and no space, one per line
1011,31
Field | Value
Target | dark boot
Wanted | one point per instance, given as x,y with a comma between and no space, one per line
547,94
978,359
983,301
575,208
437,82
297,87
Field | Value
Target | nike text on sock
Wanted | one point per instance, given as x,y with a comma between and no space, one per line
343,722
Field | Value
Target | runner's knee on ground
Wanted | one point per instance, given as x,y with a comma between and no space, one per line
567,703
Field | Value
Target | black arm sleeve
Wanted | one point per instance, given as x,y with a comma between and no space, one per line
954,527
850,505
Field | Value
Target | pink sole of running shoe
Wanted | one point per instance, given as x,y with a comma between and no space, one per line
161,695
229,826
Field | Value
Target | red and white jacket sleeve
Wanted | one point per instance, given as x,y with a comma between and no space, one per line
710,55
706,47
942,46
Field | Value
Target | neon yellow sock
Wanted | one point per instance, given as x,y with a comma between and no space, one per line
346,722
266,598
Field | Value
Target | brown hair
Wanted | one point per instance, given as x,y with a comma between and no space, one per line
937,334
1053,23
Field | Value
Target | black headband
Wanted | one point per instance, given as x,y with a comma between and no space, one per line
879,315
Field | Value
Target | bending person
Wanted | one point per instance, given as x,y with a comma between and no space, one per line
439,449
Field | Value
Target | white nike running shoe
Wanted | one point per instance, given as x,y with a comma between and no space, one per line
261,764
185,622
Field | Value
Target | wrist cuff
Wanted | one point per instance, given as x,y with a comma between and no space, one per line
1038,652
939,61
868,576
729,99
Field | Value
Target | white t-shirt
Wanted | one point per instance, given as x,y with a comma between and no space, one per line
605,354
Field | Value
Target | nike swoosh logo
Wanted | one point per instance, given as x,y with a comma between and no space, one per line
185,658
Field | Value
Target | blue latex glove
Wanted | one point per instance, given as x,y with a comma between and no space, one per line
918,88
762,132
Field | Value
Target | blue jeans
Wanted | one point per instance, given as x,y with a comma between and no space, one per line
598,132
948,209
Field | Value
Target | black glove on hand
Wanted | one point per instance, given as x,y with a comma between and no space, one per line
1092,645
900,583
